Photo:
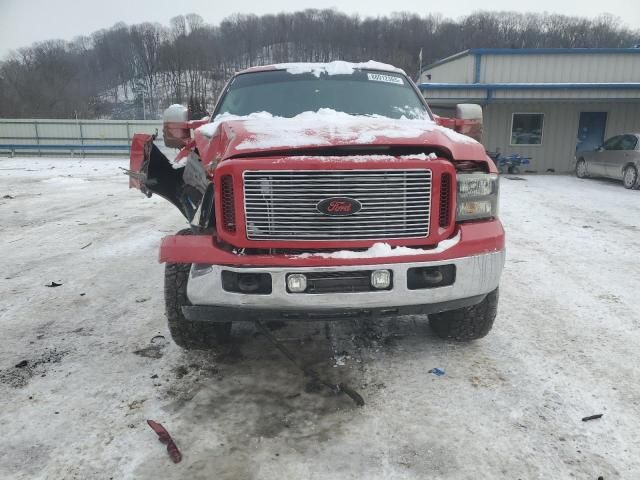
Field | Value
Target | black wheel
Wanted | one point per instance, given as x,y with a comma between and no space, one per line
514,170
468,323
630,178
186,333
581,169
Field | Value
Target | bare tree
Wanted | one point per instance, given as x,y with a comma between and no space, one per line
190,61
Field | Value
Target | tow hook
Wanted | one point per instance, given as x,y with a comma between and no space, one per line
309,372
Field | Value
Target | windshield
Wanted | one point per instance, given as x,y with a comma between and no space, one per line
363,92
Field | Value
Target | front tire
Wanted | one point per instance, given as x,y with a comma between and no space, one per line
188,334
467,323
630,178
581,169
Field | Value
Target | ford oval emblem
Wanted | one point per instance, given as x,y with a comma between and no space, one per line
339,206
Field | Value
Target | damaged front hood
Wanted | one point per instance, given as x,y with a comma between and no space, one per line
232,136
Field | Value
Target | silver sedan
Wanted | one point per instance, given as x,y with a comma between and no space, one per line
617,158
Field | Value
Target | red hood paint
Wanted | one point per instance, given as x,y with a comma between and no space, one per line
246,137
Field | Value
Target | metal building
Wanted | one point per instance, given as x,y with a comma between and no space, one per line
542,103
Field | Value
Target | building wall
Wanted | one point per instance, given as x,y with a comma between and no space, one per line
538,68
460,70
559,131
557,68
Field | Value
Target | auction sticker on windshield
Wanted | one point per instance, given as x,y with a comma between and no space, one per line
379,77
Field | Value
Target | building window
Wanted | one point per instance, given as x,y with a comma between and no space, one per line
526,128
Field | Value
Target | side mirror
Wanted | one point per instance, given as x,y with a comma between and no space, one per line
175,128
471,120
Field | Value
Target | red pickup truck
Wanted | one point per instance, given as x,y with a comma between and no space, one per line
325,192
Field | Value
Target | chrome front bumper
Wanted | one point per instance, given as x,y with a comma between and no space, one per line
475,276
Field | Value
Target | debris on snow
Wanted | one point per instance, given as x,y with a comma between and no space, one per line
53,284
136,404
351,393
87,245
316,382
437,372
155,349
165,438
20,375
152,351
516,178
341,360
592,417
9,197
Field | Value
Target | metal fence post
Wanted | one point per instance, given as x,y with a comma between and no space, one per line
81,137
35,124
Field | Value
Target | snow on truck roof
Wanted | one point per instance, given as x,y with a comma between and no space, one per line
337,67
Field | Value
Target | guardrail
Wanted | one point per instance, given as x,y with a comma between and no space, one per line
84,137
44,149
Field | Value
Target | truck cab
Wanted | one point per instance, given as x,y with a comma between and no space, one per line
325,192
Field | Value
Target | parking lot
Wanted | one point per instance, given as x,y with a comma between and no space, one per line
100,362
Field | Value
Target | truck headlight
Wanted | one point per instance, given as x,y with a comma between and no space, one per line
477,196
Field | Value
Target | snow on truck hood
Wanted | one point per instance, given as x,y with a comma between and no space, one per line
231,135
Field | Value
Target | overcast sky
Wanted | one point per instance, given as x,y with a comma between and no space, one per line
23,22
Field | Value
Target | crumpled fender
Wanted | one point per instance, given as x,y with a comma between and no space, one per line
182,185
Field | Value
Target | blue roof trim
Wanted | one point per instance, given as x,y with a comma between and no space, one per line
545,51
530,51
529,86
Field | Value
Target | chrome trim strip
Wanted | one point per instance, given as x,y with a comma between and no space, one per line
475,275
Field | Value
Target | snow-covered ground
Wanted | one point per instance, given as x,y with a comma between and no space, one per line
565,345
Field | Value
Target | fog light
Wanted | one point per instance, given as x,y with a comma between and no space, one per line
381,279
297,283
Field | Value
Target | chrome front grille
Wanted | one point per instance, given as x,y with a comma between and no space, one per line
281,205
